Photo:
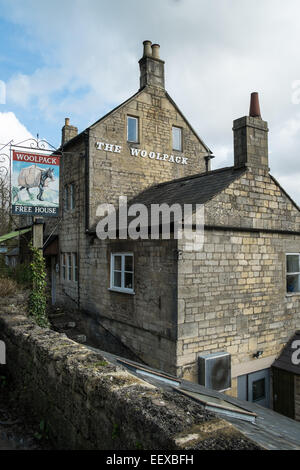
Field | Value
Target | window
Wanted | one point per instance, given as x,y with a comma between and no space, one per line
177,138
66,198
132,129
121,276
69,197
75,268
72,196
258,390
63,266
69,267
293,273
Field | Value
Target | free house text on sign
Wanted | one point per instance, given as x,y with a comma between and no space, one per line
135,152
35,184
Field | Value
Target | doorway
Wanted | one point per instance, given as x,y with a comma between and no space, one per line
255,387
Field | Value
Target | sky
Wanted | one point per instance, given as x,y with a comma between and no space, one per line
79,59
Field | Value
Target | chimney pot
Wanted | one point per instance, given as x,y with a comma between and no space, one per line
155,51
147,49
67,121
254,110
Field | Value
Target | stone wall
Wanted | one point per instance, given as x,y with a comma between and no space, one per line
144,321
232,294
88,403
115,174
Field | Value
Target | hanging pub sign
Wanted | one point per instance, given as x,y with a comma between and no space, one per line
35,184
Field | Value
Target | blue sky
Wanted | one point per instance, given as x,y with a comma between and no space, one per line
79,59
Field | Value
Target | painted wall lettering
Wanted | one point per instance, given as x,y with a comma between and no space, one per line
136,152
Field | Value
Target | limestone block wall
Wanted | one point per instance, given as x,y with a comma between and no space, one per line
232,293
232,297
88,403
145,321
113,174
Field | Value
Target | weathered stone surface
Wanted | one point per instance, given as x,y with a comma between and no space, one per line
88,403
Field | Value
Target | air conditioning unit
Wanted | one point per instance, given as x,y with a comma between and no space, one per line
214,370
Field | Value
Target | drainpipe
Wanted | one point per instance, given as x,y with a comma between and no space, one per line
87,179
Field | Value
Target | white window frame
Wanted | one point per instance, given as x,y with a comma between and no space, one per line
173,147
112,270
292,274
66,197
63,267
75,267
72,196
69,267
136,128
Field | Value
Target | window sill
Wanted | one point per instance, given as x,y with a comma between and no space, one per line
292,294
121,291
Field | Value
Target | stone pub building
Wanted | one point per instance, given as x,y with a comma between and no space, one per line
221,315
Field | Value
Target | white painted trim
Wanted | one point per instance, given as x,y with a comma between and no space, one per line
112,270
136,128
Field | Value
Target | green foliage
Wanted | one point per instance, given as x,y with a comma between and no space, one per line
138,445
22,274
37,298
116,431
3,382
43,431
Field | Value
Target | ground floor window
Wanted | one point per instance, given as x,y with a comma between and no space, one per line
121,273
69,267
292,272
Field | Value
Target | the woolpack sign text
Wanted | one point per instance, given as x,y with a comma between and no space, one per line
35,184
136,152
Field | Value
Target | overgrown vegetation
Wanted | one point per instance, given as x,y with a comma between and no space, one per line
20,274
7,287
37,299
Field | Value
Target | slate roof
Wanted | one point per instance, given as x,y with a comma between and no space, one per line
271,430
196,189
284,361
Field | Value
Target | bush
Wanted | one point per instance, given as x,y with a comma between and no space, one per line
37,299
7,287
21,273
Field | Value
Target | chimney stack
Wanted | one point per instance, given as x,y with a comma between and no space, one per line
251,138
151,66
68,132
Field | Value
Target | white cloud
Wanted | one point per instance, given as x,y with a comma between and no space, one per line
12,129
216,54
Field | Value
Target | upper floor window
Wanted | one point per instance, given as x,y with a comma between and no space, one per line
69,196
66,196
121,274
72,195
132,129
293,273
177,138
